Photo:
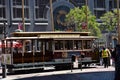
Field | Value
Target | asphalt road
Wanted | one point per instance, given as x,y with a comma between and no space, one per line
91,73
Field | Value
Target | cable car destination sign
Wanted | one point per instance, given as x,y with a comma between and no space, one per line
59,36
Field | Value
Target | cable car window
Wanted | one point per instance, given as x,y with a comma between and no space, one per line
68,44
77,44
86,44
58,45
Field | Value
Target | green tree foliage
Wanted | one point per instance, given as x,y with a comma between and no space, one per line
109,20
78,15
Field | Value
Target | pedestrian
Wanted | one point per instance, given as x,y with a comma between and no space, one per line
82,54
109,56
100,57
113,56
105,57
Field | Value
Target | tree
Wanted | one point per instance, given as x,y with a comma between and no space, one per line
77,16
109,21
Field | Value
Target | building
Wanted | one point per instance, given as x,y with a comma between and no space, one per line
37,12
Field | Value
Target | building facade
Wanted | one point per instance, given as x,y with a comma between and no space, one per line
37,12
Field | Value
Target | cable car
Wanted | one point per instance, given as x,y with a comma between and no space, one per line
41,49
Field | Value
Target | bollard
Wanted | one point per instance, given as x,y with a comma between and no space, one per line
4,74
117,63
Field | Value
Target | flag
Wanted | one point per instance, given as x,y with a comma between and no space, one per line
20,26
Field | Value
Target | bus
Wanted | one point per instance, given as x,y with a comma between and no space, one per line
37,50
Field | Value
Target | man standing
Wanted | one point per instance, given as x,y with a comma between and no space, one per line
109,56
105,57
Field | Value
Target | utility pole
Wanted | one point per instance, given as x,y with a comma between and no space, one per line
51,15
23,20
117,56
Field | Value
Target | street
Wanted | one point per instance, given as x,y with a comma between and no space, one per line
90,73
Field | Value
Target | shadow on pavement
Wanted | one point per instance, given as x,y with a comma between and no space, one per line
100,75
107,75
39,71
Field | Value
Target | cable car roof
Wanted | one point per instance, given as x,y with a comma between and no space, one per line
36,34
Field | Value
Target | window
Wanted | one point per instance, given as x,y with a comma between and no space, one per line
58,45
87,44
17,12
40,7
69,45
110,5
115,3
1,30
2,2
48,45
19,2
99,13
99,3
79,3
2,12
77,44
2,9
39,45
17,9
26,14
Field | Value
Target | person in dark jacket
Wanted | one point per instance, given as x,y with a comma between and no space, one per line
113,54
